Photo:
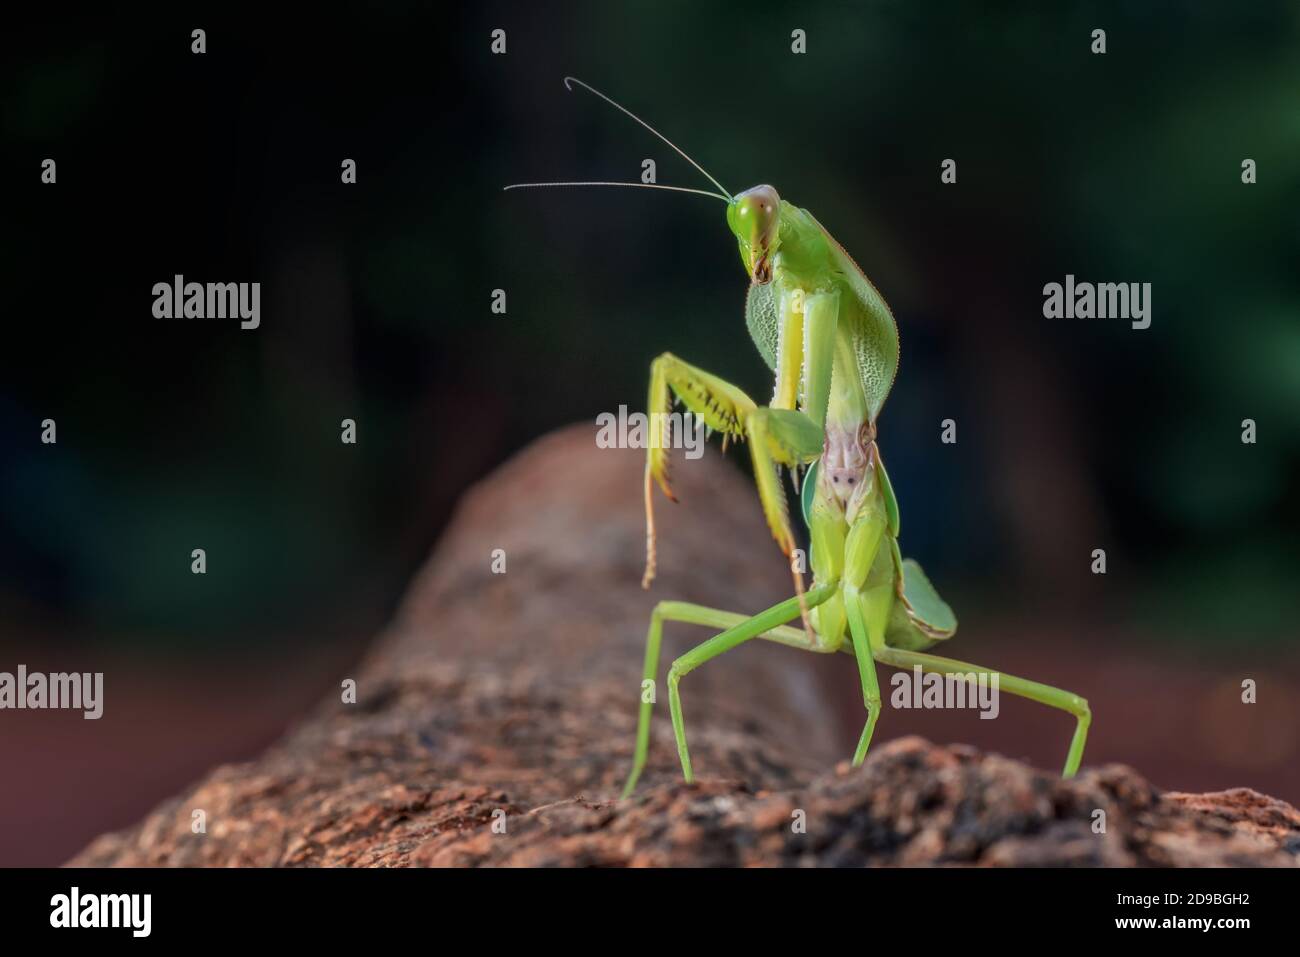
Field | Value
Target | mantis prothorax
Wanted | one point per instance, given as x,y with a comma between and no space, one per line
831,341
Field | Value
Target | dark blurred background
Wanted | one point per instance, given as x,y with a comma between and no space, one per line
1072,434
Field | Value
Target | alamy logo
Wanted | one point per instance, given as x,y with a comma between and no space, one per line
1103,300
179,299
59,690
639,431
922,689
103,910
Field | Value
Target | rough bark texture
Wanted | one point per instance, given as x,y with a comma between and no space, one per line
517,693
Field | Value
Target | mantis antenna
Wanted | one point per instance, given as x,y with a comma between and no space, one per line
675,189
724,195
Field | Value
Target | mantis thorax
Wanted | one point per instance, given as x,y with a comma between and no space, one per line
802,250
846,463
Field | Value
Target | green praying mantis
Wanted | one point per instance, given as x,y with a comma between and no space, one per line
831,342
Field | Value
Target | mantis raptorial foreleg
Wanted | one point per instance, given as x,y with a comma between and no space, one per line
785,437
778,435
821,316
1033,690
781,435
691,614
722,406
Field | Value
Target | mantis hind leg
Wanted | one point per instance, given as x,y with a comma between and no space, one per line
1043,694
768,624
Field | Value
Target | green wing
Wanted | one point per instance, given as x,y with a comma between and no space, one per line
875,336
922,618
760,318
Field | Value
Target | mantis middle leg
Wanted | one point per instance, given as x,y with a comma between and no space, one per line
739,628
868,613
867,603
1033,690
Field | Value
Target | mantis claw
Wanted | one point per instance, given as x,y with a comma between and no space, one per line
649,575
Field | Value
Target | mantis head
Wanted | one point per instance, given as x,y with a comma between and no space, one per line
755,218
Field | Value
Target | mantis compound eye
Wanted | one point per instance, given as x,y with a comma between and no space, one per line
754,217
758,211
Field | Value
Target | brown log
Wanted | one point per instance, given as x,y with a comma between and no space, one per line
517,693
